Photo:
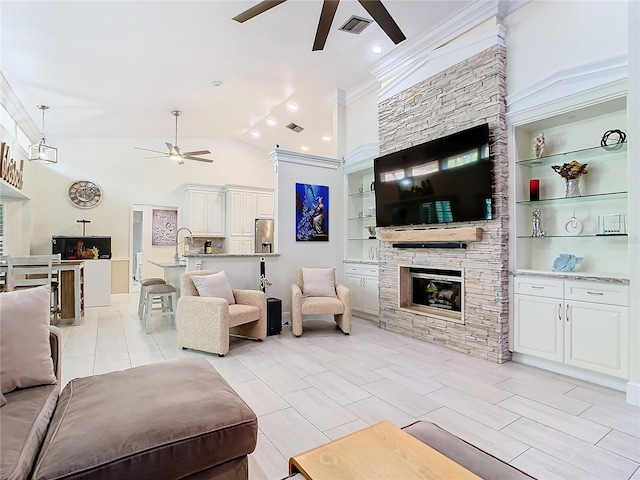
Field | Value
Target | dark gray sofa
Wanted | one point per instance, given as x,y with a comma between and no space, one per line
177,419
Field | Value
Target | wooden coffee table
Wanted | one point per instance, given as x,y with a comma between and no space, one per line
380,451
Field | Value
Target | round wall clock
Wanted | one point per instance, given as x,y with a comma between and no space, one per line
85,194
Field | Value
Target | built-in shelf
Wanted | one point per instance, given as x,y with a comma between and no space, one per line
582,198
462,234
587,154
366,193
362,219
572,236
361,239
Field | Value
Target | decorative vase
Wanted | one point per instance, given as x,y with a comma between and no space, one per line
573,188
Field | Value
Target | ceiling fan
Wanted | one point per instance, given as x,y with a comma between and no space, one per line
329,7
174,151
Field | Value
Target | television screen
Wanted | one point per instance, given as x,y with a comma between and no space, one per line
445,180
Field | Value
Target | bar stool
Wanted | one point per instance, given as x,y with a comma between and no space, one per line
143,284
168,303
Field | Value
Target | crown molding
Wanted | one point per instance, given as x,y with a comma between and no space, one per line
337,97
574,86
17,111
276,156
370,85
361,157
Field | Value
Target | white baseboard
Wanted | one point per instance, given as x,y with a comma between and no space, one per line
633,393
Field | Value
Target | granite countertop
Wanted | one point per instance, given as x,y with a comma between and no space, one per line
363,262
168,264
575,276
206,255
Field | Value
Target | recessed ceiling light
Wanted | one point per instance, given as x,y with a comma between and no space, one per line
255,134
377,49
216,83
272,122
292,107
326,138
305,148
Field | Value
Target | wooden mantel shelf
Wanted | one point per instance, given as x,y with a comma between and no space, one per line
462,234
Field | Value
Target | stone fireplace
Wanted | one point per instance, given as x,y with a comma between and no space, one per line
437,292
464,95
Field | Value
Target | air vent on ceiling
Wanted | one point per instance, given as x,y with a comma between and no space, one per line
355,24
294,127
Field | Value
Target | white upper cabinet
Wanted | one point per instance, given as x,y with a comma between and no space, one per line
204,212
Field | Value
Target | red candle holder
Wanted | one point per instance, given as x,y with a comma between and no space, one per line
534,189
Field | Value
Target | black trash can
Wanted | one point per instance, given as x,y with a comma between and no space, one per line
274,316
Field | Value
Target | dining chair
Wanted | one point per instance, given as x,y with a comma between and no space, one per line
33,271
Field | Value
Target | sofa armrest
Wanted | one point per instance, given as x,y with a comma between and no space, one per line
255,298
55,342
343,294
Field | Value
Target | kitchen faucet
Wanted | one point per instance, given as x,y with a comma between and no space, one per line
176,257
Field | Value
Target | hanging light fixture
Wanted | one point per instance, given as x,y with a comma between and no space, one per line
41,152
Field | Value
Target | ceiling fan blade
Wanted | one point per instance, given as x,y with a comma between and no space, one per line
199,152
257,10
148,150
180,162
162,156
169,146
382,18
329,8
206,160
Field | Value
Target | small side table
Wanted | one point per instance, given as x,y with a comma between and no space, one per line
274,316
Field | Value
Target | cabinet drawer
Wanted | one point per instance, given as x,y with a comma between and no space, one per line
596,292
370,270
361,269
539,287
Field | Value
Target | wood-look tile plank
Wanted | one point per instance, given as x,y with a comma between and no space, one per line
352,372
545,392
576,452
570,424
279,379
373,410
346,429
336,387
471,386
411,377
491,415
625,445
266,462
323,412
260,398
486,438
541,465
401,397
625,420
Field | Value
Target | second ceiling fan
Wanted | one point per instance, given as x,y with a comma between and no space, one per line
375,8
174,151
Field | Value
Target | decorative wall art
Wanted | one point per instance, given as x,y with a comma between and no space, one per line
312,213
164,227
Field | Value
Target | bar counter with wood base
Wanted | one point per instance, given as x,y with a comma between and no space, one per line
71,278
381,451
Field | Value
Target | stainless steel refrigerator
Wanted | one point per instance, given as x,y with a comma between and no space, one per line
264,235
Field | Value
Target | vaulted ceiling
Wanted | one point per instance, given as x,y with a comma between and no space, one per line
118,68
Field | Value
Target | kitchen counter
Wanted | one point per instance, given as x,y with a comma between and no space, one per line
172,273
168,264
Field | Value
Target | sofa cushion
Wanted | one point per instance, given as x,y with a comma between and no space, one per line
319,282
24,343
215,285
241,314
23,425
3,401
321,305
469,456
166,420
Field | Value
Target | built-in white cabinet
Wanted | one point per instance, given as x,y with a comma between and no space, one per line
579,323
204,212
362,282
245,205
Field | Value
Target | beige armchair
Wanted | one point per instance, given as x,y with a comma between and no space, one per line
205,323
303,304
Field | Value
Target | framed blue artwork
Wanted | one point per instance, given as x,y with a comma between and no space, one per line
312,213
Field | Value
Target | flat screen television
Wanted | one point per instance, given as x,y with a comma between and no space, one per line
445,180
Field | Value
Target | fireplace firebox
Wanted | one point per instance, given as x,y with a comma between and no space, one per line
432,291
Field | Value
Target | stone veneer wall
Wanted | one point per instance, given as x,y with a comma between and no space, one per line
465,95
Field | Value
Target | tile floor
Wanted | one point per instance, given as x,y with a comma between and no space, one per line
307,391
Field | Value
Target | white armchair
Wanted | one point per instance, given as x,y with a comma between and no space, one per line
205,323
326,297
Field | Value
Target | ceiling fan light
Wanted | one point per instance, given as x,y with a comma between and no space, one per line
175,156
42,153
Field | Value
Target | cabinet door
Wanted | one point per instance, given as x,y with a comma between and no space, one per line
198,212
235,244
235,213
538,326
265,206
370,296
248,213
215,214
354,284
247,245
596,337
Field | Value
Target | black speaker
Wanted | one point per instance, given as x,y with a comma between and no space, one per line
274,316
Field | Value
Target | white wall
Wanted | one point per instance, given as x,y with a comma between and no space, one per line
361,121
126,178
544,37
292,168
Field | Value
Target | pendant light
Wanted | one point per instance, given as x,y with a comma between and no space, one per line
41,152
